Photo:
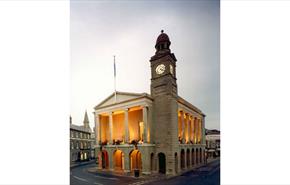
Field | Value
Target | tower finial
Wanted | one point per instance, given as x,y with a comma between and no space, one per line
162,31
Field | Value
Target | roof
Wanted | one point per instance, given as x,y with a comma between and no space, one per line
163,37
189,105
129,96
80,128
121,98
212,132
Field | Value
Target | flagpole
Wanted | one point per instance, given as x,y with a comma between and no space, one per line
115,79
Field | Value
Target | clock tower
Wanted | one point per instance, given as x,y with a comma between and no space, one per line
165,105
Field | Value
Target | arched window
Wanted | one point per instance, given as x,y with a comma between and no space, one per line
119,160
152,162
135,160
176,162
182,159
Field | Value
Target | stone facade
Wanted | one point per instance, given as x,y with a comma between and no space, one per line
81,141
156,133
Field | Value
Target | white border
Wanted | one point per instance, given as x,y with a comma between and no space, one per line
255,92
34,95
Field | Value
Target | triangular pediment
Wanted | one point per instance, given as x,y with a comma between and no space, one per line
120,97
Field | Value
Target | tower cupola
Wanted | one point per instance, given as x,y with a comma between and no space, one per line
162,43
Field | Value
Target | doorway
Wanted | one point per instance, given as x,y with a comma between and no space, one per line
162,163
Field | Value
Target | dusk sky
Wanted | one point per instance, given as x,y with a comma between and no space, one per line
127,29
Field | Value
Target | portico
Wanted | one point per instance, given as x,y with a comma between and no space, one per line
124,126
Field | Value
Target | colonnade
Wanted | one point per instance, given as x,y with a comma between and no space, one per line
145,137
191,157
190,128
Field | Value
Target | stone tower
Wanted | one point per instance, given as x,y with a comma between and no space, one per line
86,120
165,105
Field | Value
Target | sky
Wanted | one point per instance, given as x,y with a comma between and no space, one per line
129,29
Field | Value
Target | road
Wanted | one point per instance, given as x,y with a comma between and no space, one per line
80,176
207,175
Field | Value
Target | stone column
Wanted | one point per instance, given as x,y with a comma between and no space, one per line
99,156
97,120
192,129
190,159
194,157
203,130
111,159
127,161
111,128
126,121
188,127
149,123
178,162
195,130
145,163
100,129
199,130
202,156
182,126
144,109
185,159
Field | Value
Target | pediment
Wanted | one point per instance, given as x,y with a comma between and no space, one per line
120,97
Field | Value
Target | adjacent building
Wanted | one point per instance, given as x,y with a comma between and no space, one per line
158,132
81,141
212,143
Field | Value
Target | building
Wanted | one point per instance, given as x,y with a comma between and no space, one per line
154,133
212,143
80,141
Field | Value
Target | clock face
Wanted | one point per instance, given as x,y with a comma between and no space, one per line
160,69
171,69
